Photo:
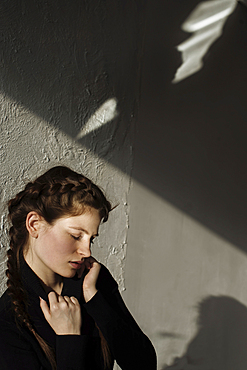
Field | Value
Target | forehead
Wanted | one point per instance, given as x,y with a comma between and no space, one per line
90,219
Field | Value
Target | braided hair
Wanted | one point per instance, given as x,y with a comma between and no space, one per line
58,192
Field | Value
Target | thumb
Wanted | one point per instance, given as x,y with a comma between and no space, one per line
44,308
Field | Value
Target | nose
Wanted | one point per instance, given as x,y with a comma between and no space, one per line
84,250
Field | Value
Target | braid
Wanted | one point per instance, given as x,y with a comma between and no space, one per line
16,291
19,296
58,192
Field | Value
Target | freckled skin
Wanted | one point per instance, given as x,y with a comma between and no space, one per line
53,252
68,239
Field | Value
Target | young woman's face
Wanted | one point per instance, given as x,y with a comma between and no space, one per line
62,247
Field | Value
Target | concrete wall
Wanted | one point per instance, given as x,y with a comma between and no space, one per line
70,81
186,265
68,84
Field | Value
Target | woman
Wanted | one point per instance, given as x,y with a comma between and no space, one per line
62,309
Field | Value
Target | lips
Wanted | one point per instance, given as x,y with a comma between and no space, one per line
76,264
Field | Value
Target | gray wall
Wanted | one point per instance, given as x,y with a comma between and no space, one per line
64,65
172,155
186,265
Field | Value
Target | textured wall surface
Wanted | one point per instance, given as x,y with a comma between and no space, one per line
30,146
187,245
69,78
69,91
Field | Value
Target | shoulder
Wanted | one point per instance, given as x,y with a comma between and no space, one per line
10,334
5,304
8,326
7,319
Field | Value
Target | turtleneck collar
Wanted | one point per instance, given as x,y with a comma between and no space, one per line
31,282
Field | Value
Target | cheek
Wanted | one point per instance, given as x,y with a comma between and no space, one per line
57,246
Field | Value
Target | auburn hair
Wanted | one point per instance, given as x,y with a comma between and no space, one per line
57,193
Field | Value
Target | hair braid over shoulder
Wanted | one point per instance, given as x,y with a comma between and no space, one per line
18,294
58,192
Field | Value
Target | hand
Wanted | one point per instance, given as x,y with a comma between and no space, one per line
64,314
90,280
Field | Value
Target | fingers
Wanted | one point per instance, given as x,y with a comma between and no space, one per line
66,299
55,302
90,280
87,265
62,313
59,300
90,262
74,300
45,309
71,300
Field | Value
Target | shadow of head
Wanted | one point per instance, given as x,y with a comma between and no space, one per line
221,340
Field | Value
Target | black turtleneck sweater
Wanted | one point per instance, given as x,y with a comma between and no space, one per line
129,346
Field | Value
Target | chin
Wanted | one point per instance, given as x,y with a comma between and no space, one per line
69,274
72,274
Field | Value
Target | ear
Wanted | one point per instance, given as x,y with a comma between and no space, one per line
33,223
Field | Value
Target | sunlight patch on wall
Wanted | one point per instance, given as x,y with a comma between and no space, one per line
206,23
106,112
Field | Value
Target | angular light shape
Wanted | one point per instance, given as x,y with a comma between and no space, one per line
106,112
206,22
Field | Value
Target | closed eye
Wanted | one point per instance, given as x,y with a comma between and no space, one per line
75,237
79,237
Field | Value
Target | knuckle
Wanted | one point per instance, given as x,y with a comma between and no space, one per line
54,307
63,305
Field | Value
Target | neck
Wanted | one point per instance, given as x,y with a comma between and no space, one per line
56,287
49,279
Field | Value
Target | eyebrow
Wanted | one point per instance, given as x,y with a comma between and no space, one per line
81,229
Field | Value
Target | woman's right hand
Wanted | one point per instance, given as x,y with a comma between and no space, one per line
63,315
89,283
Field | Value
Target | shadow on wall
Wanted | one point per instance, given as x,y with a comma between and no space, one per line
191,143
221,341
63,60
